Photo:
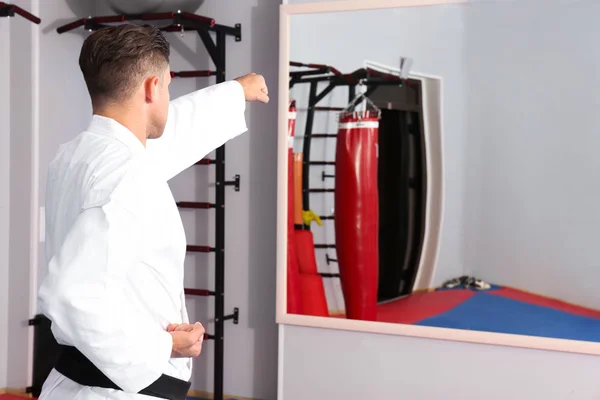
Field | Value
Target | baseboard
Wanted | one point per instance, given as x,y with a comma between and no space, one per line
192,393
207,395
15,392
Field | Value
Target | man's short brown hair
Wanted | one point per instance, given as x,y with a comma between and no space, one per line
115,60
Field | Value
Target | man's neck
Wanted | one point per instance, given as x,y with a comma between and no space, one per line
126,117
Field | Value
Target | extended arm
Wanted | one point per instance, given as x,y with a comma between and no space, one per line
85,295
202,121
197,124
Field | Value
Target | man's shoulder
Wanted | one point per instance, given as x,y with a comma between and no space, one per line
95,166
91,149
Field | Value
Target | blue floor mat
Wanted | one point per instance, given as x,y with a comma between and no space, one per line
485,312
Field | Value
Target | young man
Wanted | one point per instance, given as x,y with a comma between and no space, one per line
114,239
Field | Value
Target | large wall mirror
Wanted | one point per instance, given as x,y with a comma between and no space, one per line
438,169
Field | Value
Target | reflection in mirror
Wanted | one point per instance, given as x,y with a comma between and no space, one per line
466,207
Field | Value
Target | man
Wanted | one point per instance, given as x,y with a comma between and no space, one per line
114,239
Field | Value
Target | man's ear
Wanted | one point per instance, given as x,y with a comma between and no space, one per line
151,86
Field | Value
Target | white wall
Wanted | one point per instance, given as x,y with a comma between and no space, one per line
534,141
4,193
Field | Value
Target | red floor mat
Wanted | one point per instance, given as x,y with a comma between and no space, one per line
416,307
538,300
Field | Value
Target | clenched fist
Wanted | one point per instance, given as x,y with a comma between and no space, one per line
255,87
187,339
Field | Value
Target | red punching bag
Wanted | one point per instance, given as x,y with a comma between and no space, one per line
294,300
356,212
314,301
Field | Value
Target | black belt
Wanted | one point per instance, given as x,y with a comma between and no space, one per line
75,366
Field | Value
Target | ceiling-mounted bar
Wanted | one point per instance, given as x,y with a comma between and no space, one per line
9,10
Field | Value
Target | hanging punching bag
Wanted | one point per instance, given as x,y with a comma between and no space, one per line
294,301
312,290
356,212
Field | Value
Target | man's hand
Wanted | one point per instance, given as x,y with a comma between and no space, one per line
187,339
255,88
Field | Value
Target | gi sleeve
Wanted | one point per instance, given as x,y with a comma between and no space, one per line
197,124
86,296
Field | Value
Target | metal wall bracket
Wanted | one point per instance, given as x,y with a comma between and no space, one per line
238,32
235,183
235,316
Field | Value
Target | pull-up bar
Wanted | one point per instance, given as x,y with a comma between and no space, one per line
179,21
9,10
192,74
326,73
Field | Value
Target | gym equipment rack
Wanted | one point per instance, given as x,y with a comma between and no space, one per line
182,22
9,10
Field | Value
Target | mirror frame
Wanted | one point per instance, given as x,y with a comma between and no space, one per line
284,318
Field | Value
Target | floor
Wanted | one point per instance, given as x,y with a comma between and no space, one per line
500,309
10,397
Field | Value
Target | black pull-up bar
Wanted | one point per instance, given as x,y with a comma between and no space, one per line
318,67
192,74
9,10
179,21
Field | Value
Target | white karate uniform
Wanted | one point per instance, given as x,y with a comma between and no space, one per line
115,243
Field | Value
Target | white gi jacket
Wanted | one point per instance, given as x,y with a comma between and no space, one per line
115,243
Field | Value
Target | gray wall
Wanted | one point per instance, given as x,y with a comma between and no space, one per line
533,147
325,364
4,194
65,108
359,365
21,133
384,42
